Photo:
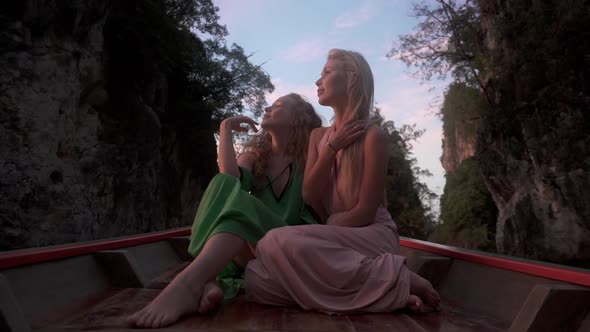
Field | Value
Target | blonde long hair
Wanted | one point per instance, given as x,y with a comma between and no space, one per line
305,119
360,103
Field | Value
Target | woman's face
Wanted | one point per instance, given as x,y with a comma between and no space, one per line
333,83
278,115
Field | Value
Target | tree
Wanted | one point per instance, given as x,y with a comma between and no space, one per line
468,212
143,82
220,76
196,14
446,40
408,199
173,57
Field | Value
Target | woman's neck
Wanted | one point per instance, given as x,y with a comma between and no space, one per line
339,111
279,147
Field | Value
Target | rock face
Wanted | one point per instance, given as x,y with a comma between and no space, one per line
462,148
534,150
73,167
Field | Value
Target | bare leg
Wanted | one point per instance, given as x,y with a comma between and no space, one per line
212,294
423,289
211,298
183,295
245,255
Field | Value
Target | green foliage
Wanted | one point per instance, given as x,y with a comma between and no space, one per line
208,73
201,15
468,213
408,199
171,55
447,40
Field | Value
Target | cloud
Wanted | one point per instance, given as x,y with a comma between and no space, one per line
355,17
283,87
409,103
308,91
305,51
431,141
233,11
428,151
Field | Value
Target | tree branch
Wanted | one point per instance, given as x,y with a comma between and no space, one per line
449,11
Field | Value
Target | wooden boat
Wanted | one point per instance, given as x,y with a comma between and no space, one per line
93,286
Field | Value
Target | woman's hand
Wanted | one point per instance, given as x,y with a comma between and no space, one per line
348,134
235,123
227,155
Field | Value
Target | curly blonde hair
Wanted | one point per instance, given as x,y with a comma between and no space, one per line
305,119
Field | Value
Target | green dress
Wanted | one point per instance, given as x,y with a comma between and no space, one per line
231,205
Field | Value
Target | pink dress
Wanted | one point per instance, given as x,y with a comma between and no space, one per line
330,268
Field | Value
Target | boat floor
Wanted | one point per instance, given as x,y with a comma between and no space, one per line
98,290
107,312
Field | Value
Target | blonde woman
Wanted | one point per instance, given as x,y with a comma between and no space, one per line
254,193
351,264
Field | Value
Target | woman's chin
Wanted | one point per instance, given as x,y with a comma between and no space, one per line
323,101
267,126
275,127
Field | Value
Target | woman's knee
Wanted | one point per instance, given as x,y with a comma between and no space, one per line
279,238
272,239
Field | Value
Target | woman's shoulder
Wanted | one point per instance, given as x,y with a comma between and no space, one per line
246,160
317,134
376,134
376,139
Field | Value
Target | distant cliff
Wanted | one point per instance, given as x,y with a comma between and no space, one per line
105,128
461,116
468,213
534,150
457,146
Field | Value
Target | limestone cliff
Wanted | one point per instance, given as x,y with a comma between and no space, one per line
534,151
461,115
453,154
468,213
88,152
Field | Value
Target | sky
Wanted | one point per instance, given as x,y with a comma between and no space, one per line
292,38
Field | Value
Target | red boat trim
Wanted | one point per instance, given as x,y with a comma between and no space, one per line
556,272
38,255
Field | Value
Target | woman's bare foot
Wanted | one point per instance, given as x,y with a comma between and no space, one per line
176,300
424,290
211,298
414,304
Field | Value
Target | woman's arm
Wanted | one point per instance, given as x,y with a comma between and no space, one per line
317,169
227,155
320,158
373,181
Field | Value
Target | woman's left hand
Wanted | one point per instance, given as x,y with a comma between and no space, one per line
348,134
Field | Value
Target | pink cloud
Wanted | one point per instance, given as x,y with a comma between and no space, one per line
306,50
357,16
233,11
308,91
